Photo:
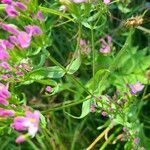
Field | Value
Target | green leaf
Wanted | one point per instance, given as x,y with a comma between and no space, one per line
47,82
74,66
43,121
49,72
85,110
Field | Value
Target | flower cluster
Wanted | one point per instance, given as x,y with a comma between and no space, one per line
106,44
16,39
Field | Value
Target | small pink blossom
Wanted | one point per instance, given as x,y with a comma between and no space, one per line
48,88
106,1
11,11
5,65
13,39
33,30
10,28
104,114
20,5
137,140
20,139
7,2
137,87
40,15
6,112
83,42
30,122
106,46
3,53
24,39
4,94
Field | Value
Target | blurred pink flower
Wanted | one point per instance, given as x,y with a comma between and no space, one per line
3,53
48,88
4,94
6,1
20,5
33,30
40,15
6,112
106,46
10,28
11,11
20,139
24,39
137,87
106,1
83,42
13,39
5,65
30,122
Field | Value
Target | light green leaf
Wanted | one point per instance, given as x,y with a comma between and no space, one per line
85,110
74,66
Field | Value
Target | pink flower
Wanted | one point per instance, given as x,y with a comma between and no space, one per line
48,88
106,46
11,11
20,5
137,87
6,44
5,65
20,139
6,112
33,30
7,2
104,114
4,94
3,53
24,39
82,42
10,28
30,122
106,1
40,15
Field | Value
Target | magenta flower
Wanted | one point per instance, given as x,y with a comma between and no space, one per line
9,2
13,39
24,39
40,15
106,46
20,5
11,11
6,112
10,28
106,1
20,139
5,65
33,30
30,122
137,87
48,88
3,53
4,94
6,44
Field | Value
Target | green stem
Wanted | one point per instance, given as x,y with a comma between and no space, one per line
93,53
109,139
64,106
